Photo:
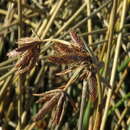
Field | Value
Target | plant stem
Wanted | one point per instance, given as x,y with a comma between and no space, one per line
19,127
7,74
110,35
92,14
8,61
71,19
59,4
121,118
89,22
83,99
114,68
16,17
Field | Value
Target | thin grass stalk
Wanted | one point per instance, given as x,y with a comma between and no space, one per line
74,16
92,14
114,68
83,100
9,26
118,113
19,127
19,18
9,16
97,119
99,89
121,118
123,76
6,67
40,28
119,103
89,22
110,35
9,111
4,63
7,74
98,114
4,87
98,43
32,24
97,31
59,4
27,6
12,124
37,4
30,126
71,19
41,72
23,118
20,86
91,120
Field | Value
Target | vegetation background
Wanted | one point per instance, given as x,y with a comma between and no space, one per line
104,27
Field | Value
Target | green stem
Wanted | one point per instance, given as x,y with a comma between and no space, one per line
87,115
119,103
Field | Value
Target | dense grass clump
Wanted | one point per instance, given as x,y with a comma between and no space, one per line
64,64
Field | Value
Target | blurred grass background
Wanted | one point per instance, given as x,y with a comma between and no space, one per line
103,24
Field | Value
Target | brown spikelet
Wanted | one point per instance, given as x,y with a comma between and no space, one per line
77,40
28,50
46,108
24,48
76,55
67,49
69,59
53,99
59,109
45,98
92,83
62,48
69,54
58,59
24,59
